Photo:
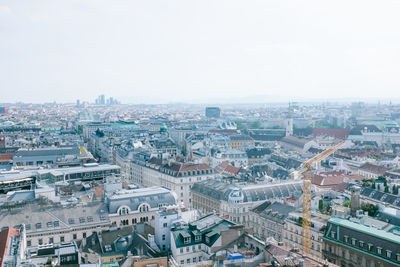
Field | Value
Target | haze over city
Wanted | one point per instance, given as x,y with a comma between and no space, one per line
191,51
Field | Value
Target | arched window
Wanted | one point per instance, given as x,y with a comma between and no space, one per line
124,210
144,207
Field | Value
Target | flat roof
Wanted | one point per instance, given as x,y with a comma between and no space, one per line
366,229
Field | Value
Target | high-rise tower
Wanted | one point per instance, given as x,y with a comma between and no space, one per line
289,122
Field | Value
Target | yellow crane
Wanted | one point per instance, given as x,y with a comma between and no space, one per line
305,171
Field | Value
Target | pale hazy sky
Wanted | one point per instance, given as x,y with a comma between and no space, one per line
167,50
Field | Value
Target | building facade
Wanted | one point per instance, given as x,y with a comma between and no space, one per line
130,207
348,243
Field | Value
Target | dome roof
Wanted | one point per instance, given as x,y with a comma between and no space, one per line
163,128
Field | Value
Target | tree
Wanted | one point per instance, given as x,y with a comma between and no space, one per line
320,204
373,185
386,189
379,187
80,129
99,133
346,203
395,190
370,208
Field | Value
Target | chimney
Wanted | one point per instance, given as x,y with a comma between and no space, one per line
355,200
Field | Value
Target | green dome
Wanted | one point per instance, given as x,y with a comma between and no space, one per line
163,128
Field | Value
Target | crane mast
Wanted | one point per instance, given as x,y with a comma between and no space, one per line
307,178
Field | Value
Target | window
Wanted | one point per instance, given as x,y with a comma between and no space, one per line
194,260
71,221
370,246
51,240
82,220
182,262
346,239
398,257
186,240
38,225
187,249
181,250
198,238
188,261
62,239
388,253
49,224
353,241
90,219
84,235
74,236
165,225
361,244
379,250
332,234
28,227
200,258
163,247
28,243
56,223
40,241
163,237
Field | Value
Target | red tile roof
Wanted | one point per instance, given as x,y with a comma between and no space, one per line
374,168
226,168
4,241
335,132
333,178
6,157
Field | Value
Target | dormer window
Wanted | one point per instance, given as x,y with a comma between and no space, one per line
207,239
186,240
388,253
198,238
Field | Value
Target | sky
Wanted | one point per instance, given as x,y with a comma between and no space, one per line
161,51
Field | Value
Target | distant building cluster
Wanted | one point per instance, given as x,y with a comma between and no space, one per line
183,185
102,100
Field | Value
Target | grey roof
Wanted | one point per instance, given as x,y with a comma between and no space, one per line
22,195
134,198
48,152
55,218
276,211
252,193
378,195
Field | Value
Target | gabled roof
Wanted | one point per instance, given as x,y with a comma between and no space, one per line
338,133
374,168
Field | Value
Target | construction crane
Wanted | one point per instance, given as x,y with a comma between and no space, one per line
305,171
